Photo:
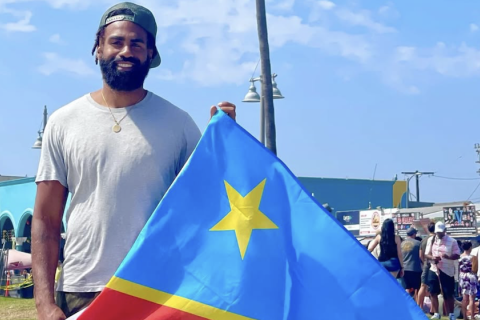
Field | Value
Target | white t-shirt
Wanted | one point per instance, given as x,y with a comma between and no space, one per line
475,252
115,179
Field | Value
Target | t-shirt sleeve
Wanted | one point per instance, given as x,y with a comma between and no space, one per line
52,163
428,247
191,136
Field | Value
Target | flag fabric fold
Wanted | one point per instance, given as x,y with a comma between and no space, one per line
237,237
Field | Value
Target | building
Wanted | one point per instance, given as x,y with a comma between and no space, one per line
357,194
17,198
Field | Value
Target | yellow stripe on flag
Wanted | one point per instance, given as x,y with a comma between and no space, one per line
172,301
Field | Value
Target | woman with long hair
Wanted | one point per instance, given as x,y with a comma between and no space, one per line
386,247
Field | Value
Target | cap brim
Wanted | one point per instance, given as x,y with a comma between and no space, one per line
156,61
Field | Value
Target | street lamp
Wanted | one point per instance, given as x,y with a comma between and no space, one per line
38,143
253,96
417,175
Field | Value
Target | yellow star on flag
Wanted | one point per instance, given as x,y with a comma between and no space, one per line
244,215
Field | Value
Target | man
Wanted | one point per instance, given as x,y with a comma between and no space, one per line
425,265
411,262
442,250
116,151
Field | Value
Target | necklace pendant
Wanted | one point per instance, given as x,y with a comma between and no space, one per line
116,128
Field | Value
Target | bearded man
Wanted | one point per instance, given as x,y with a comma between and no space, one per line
116,151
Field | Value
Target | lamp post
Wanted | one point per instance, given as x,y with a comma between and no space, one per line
253,96
417,175
38,143
408,187
266,71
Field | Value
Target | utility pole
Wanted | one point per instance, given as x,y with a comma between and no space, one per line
477,148
267,92
417,175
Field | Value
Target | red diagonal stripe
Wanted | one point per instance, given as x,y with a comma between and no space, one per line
114,305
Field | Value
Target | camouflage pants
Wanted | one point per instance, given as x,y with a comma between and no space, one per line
73,302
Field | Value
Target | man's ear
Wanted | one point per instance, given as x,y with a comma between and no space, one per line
150,54
99,52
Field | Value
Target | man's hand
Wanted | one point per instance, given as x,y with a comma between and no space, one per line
437,259
50,312
227,107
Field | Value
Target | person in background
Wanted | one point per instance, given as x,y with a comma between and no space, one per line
442,250
423,292
457,271
386,247
412,263
468,280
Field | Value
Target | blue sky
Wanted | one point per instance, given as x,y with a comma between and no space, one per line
386,83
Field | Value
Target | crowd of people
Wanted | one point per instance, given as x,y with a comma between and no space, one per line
432,266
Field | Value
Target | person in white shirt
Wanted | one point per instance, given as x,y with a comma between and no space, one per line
442,250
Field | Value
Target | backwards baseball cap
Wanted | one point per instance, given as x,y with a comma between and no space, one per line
439,227
411,231
141,16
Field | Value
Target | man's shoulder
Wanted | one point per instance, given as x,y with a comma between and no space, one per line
68,110
413,241
166,105
425,240
450,240
165,108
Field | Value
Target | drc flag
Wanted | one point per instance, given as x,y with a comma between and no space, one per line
237,237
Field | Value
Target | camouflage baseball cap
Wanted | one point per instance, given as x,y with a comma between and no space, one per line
141,16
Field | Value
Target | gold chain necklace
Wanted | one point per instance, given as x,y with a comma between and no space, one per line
116,127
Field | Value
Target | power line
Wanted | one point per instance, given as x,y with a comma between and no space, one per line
455,178
478,185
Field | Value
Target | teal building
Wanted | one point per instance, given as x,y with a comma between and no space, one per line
17,198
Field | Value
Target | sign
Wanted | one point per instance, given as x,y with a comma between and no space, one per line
350,220
403,221
460,219
371,221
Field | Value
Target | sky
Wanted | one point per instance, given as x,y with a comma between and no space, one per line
372,88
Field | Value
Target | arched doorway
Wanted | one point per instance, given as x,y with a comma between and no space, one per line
7,231
24,240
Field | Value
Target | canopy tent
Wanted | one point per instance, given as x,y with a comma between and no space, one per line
18,260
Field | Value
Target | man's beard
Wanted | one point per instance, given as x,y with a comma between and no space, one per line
124,80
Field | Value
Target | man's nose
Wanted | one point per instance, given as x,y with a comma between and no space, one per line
126,52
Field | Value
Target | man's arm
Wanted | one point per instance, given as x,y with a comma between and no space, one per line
46,225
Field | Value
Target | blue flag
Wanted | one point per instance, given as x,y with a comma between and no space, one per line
237,237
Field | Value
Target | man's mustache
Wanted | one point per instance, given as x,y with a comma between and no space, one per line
135,61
